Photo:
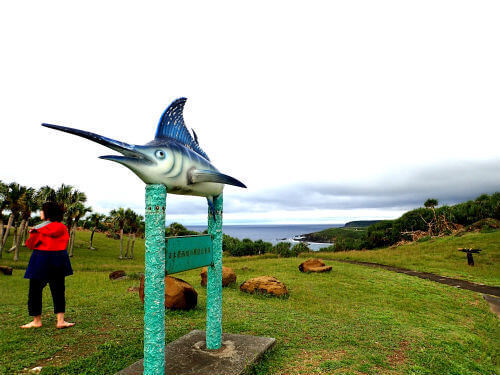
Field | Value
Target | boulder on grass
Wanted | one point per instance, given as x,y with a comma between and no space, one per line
179,295
6,270
314,265
228,276
265,285
117,275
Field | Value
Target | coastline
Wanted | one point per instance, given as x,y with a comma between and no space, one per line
274,233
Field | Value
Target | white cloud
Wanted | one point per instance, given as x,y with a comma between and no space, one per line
280,93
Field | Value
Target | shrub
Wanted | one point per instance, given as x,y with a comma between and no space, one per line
285,250
301,247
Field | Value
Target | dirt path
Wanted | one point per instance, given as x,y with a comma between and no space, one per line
480,288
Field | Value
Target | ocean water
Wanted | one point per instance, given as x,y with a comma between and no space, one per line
272,233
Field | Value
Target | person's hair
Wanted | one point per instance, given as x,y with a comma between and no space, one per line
53,211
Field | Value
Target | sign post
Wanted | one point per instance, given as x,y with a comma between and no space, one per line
154,283
214,278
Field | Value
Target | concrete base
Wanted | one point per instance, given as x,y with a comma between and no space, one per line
188,356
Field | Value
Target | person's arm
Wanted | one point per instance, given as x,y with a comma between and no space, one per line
33,240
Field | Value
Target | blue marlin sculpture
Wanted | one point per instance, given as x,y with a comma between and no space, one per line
173,158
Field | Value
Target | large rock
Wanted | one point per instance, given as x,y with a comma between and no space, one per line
314,265
179,295
115,275
228,276
264,284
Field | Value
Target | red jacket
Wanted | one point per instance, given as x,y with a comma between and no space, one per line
48,236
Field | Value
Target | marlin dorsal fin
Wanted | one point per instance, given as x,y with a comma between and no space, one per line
171,125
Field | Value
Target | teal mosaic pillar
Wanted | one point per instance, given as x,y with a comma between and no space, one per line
154,285
214,279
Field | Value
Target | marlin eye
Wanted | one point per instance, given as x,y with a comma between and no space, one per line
160,154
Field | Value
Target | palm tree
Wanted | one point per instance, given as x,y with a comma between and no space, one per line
3,205
46,193
133,223
95,220
118,218
136,227
74,213
13,199
28,204
130,216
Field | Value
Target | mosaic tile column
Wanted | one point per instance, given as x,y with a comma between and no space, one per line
214,279
154,285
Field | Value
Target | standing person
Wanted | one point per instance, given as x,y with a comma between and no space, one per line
49,264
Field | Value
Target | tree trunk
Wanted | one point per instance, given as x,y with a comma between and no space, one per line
7,231
25,234
14,240
1,237
121,244
128,246
18,239
132,247
92,239
72,239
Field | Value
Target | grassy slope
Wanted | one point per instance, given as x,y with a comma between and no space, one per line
354,320
440,256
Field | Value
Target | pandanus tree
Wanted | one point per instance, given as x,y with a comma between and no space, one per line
118,219
95,221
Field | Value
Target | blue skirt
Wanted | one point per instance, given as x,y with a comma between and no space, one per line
48,265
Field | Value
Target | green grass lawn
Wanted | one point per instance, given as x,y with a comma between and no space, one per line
354,320
439,256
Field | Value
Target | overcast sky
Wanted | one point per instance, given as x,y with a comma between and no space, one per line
327,111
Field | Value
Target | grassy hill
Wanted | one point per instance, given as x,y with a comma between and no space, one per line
360,223
440,256
354,320
333,234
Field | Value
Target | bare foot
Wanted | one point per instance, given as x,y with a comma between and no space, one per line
31,325
64,325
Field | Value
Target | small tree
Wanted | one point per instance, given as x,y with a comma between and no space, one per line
431,203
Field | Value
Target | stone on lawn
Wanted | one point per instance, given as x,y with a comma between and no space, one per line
179,295
117,275
6,270
228,276
314,265
266,285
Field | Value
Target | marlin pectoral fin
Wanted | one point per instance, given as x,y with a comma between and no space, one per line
205,175
210,201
